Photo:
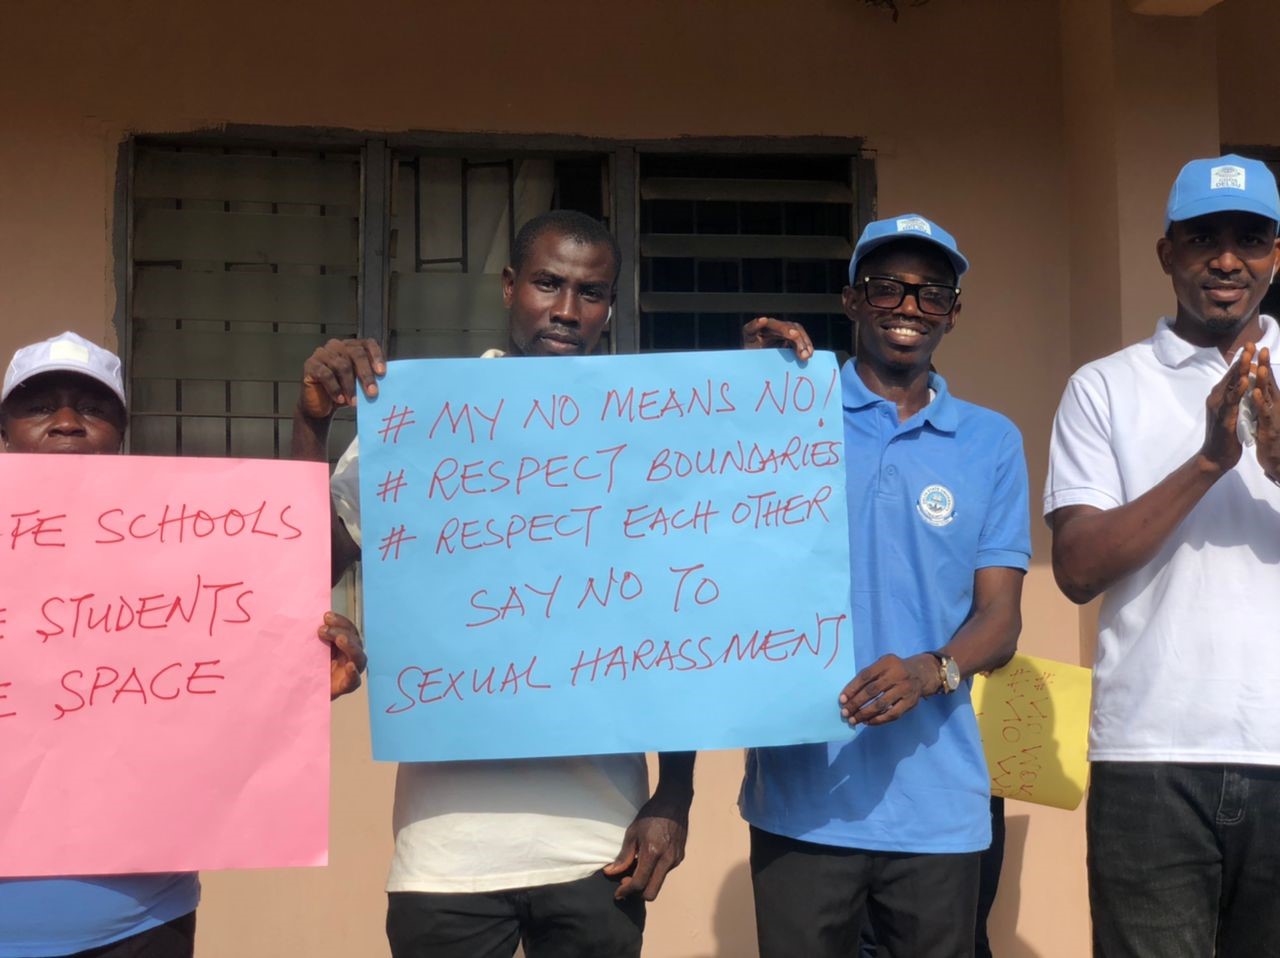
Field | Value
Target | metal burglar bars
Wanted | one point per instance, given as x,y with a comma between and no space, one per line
725,238
452,223
243,261
245,258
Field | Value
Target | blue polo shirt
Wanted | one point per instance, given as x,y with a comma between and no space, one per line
62,916
931,501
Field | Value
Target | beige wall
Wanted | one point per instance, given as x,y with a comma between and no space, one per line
997,117
1248,33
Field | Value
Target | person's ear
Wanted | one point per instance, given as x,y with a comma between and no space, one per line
849,299
955,312
508,286
1164,252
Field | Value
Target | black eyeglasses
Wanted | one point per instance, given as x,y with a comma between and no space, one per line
932,298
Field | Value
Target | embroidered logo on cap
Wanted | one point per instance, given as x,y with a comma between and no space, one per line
63,352
1226,178
936,505
915,224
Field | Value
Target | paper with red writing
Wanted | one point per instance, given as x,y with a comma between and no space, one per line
163,694
1034,718
605,554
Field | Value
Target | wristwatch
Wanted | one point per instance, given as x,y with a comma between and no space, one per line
948,673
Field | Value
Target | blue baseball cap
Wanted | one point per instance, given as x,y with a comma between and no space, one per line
907,226
1223,184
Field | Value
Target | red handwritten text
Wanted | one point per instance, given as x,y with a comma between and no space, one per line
650,405
697,654
37,528
163,685
74,615
556,472
420,686
176,524
472,534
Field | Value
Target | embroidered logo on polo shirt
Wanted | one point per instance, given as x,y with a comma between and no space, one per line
915,224
1226,178
936,505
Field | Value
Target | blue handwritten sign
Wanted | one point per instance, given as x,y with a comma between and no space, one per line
605,554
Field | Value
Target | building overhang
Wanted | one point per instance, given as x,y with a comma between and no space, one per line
1171,8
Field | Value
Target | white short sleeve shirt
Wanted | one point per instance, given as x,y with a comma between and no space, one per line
1188,663
486,826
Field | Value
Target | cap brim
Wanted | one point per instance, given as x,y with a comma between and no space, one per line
1222,204
958,262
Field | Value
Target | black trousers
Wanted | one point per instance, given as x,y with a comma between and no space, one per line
989,878
1184,860
990,864
174,939
578,919
811,900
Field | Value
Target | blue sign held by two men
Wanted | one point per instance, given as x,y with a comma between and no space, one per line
605,554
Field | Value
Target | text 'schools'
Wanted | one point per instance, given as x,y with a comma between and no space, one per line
163,694
607,554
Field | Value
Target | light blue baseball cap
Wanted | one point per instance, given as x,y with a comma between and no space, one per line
907,226
1223,184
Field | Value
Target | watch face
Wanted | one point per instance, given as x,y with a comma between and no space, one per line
952,672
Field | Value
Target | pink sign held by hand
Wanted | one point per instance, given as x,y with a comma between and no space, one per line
164,700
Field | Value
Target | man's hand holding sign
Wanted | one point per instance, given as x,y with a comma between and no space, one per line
569,551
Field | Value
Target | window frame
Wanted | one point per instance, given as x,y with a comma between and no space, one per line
376,155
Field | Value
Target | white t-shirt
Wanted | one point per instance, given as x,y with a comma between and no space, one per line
485,826
1188,666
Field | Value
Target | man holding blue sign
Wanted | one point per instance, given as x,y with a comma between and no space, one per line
892,821
557,854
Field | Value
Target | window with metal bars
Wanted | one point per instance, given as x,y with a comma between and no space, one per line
242,262
242,259
725,238
453,220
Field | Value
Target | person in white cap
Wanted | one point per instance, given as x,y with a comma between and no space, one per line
1163,495
66,395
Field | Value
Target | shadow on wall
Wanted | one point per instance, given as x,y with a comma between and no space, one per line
1003,924
734,924
735,918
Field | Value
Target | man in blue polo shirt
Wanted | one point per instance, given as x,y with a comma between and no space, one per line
891,821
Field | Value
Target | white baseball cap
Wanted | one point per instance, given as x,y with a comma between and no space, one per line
69,353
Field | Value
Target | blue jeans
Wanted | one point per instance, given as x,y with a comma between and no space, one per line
1184,860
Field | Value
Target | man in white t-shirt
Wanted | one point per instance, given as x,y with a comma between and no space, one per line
558,854
1163,495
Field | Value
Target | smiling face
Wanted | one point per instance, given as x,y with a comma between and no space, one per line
901,339
62,412
1221,266
559,301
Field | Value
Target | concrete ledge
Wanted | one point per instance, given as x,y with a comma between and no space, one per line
1171,8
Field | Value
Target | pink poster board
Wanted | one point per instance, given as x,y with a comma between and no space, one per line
164,699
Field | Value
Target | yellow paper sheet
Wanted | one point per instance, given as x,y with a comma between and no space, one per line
1034,718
